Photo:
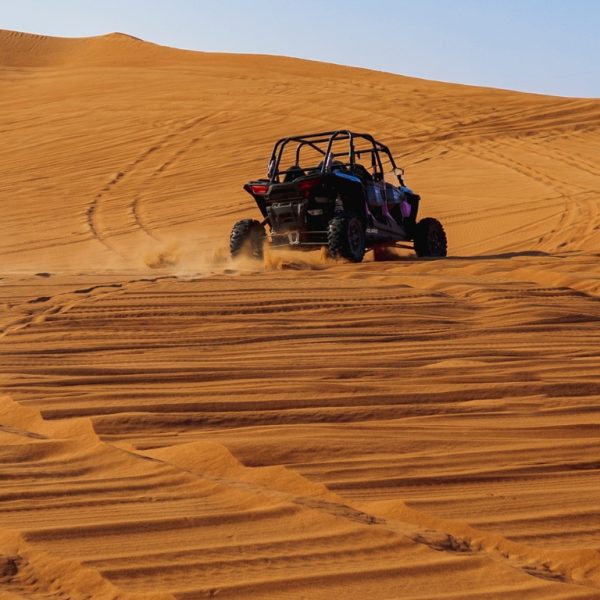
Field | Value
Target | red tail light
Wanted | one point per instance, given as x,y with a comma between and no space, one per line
307,185
259,189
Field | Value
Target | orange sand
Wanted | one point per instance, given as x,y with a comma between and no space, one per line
177,425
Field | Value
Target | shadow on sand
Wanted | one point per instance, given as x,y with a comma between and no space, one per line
503,256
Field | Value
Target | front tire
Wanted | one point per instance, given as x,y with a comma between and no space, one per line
430,238
346,238
247,237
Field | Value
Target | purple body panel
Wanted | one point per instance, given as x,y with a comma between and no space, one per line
405,209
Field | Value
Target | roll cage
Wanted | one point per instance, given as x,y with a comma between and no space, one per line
323,144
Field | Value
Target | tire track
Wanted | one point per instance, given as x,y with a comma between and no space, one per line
577,212
582,214
544,178
421,528
92,218
258,391
571,160
135,205
284,521
96,205
63,302
138,220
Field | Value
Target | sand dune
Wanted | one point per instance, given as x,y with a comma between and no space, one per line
178,425
164,139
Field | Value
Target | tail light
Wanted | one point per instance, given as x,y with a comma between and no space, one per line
259,189
306,186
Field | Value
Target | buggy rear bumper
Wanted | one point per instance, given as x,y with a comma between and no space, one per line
299,238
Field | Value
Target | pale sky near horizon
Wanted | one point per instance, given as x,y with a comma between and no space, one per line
543,46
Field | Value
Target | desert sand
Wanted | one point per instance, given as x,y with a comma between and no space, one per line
174,424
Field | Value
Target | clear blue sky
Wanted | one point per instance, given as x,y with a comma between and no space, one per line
546,46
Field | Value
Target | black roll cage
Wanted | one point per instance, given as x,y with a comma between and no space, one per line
314,139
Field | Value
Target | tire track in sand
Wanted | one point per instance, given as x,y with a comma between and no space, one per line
135,205
120,507
95,206
62,302
579,212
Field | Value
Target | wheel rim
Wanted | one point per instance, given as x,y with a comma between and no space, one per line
436,246
355,237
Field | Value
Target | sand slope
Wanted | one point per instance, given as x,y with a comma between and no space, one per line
114,148
176,425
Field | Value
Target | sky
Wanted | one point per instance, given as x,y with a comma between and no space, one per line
543,46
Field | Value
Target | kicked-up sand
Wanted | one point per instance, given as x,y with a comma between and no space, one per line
174,424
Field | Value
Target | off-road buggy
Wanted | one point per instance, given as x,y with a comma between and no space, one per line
327,197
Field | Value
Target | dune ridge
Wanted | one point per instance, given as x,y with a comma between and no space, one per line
20,49
271,493
178,424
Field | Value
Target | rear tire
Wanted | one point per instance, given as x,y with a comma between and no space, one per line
430,238
247,237
346,238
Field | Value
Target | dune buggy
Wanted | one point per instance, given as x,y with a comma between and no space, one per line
326,196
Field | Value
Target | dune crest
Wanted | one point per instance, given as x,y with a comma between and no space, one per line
19,49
